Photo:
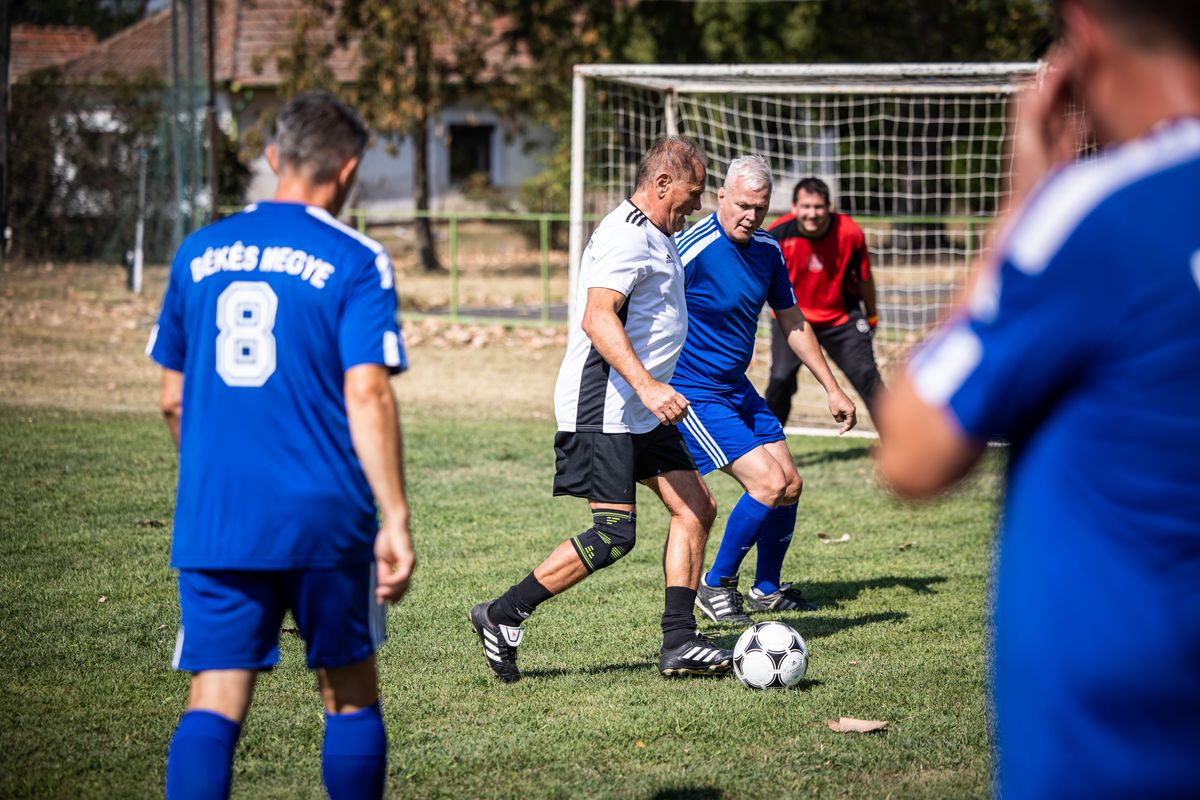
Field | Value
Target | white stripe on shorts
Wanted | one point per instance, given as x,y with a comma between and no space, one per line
707,443
376,612
178,648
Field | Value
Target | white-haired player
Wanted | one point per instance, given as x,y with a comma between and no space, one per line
731,267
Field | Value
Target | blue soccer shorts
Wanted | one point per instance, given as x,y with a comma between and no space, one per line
723,426
231,619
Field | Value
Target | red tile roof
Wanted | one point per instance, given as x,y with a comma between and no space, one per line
251,36
34,47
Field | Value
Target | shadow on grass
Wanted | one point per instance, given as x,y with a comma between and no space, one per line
688,793
812,625
834,593
830,456
597,669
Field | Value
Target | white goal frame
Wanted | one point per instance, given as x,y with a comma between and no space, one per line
663,92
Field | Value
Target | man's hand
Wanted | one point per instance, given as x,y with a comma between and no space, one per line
1046,134
843,410
664,402
394,560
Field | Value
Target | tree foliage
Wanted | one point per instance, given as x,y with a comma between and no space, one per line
104,17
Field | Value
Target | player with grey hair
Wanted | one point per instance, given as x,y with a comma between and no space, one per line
617,419
732,267
751,172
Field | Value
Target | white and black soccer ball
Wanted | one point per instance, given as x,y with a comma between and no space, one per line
770,655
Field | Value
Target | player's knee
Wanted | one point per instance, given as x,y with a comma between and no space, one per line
612,535
791,492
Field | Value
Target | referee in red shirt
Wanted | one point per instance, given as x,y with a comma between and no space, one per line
830,268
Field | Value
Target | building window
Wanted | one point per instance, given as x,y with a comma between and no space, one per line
471,152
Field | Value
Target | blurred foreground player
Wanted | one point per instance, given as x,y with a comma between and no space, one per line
731,268
617,418
277,336
1080,345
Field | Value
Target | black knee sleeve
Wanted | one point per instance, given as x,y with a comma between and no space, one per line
612,535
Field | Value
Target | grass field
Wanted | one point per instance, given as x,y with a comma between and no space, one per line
89,607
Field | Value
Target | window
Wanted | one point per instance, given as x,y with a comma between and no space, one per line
471,152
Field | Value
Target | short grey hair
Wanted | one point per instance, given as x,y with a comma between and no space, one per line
753,172
316,134
674,155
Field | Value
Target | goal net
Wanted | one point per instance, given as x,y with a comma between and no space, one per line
915,153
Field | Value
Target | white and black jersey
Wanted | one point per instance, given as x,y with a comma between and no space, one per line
628,254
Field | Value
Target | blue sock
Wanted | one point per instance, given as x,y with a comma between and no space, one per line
354,754
773,543
200,756
741,530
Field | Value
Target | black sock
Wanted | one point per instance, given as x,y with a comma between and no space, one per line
679,620
514,606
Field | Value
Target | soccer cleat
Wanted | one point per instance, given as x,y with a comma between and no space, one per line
499,643
785,598
722,604
697,656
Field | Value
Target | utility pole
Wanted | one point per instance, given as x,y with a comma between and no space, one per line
211,108
5,105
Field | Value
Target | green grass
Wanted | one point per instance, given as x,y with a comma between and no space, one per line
88,699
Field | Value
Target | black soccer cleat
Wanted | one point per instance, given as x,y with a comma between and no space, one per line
697,656
722,604
785,598
499,643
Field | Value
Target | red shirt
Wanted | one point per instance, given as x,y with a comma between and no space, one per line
826,270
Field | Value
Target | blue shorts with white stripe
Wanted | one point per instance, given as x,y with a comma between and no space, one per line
723,426
230,619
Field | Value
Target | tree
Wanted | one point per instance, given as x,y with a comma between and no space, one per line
416,56
104,17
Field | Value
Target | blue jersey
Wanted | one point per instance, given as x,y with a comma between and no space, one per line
1084,351
726,285
263,314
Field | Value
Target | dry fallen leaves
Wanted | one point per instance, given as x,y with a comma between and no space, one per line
826,538
907,545
852,725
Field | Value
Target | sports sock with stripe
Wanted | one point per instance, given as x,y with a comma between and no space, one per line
515,605
354,754
200,756
741,531
773,543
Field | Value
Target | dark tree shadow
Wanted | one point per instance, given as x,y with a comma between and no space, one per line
834,593
596,669
688,793
830,456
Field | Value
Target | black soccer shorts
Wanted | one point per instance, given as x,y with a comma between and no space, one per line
606,467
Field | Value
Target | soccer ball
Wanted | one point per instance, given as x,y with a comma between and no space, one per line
770,655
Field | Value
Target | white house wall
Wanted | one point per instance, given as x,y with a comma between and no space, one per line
385,179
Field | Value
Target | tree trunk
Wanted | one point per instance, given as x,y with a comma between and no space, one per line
425,243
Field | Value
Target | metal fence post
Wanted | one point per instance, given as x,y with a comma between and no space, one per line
544,226
454,267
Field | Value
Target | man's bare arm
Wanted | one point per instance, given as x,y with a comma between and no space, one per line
922,450
803,341
375,431
603,326
170,401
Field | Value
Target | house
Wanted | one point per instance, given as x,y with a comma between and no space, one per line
465,142
34,47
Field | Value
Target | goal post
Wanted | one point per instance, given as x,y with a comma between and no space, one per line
915,153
